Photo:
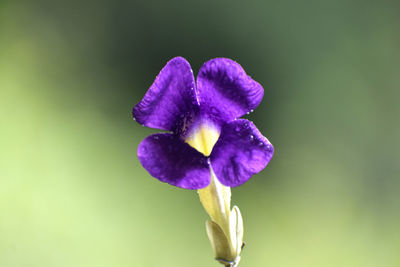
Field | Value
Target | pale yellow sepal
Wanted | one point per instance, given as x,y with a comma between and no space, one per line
219,241
236,228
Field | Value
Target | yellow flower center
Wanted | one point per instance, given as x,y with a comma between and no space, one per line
204,138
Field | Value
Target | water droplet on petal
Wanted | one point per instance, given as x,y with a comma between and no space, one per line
250,111
251,137
253,170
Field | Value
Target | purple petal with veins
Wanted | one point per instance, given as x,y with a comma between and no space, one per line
171,100
225,91
240,152
170,160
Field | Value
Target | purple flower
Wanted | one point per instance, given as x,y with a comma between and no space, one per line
205,110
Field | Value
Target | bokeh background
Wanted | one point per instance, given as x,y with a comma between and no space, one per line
72,192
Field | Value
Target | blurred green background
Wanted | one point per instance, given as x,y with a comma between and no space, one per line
72,192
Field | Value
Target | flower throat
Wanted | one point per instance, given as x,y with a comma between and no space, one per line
203,138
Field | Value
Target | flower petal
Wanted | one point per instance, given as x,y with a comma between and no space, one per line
240,152
225,91
172,161
171,99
